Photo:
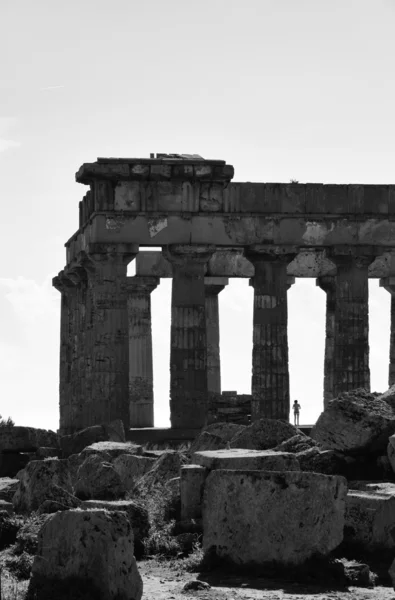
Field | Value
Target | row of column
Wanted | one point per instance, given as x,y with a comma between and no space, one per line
106,340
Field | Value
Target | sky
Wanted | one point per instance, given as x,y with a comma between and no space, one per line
281,89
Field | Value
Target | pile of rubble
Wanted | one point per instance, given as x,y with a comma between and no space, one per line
259,494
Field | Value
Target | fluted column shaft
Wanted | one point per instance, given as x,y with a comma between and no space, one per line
141,385
107,343
328,285
188,355
388,283
67,334
351,324
270,373
213,286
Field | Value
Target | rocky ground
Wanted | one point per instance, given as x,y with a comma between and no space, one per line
163,581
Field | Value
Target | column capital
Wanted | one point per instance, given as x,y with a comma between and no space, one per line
214,285
257,253
388,283
62,282
141,284
185,254
98,254
358,256
326,283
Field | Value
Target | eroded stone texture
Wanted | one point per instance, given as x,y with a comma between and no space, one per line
90,549
284,518
213,286
351,323
188,356
388,283
107,370
237,458
270,374
141,391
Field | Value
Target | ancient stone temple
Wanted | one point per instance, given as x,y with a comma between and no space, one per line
208,229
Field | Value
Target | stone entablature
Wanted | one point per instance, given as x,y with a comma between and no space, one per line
208,227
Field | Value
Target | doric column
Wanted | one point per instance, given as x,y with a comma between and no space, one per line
328,284
270,375
67,325
141,390
349,304
107,344
213,286
188,357
388,283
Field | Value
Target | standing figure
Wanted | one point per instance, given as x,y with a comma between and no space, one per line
296,408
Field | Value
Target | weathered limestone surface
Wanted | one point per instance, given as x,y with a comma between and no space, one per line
264,434
212,287
8,487
97,479
370,519
92,547
356,422
188,356
76,442
130,468
137,514
391,451
141,390
272,517
41,480
237,458
107,375
192,478
26,439
270,374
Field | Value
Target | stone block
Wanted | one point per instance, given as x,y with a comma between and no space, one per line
370,519
237,458
26,439
253,518
263,434
192,480
76,442
91,550
113,449
8,487
137,514
97,479
356,421
41,480
7,506
130,468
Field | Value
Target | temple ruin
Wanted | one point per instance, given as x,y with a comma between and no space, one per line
208,229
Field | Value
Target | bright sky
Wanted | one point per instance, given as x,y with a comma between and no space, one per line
281,89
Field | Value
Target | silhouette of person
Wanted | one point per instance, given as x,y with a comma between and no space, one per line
296,408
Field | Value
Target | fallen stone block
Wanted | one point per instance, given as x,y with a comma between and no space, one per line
297,443
26,439
207,441
165,467
130,468
357,422
7,506
86,551
113,449
238,458
192,480
137,514
264,434
47,452
8,487
42,480
225,431
99,480
76,442
370,520
252,518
